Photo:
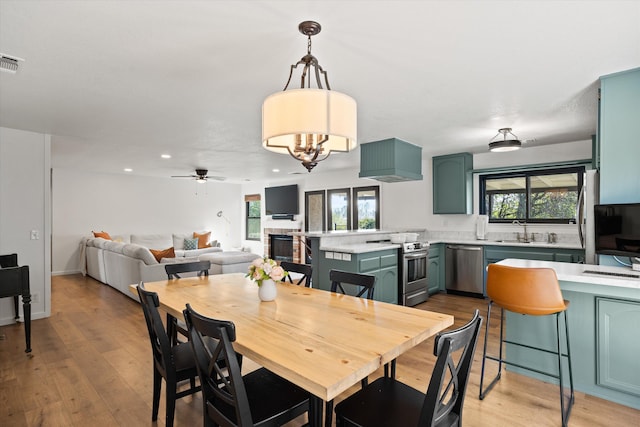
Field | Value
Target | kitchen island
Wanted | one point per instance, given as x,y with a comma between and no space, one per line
604,330
364,251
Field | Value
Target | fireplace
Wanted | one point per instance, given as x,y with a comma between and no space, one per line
281,247
294,246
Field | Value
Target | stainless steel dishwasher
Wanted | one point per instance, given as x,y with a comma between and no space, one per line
464,270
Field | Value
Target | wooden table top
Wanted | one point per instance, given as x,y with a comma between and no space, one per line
321,341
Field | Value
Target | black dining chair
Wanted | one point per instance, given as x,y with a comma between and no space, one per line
173,362
14,282
174,270
259,398
390,403
364,284
11,260
177,326
303,273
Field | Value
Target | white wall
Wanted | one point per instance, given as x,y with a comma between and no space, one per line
25,162
409,204
129,204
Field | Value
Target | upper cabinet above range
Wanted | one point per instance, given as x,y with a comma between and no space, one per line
453,184
391,160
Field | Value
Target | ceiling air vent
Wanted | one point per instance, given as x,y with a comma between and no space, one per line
8,63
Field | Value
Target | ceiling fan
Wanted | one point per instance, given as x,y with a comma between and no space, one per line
201,176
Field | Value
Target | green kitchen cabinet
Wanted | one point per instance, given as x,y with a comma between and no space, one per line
453,184
382,264
616,325
435,268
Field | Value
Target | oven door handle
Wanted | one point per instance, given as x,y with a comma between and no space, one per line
415,256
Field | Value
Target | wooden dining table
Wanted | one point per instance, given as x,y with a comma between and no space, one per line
321,341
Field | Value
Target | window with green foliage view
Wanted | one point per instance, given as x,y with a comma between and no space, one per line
253,220
548,196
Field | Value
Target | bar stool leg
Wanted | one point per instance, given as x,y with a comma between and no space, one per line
484,392
565,413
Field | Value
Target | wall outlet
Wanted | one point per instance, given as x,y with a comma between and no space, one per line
635,266
35,235
35,298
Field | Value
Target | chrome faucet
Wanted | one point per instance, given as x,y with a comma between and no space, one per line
525,237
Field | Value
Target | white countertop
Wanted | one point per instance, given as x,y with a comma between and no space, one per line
359,248
540,244
576,272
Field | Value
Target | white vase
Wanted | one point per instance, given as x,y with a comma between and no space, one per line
268,290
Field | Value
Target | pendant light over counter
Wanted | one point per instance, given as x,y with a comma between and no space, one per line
309,123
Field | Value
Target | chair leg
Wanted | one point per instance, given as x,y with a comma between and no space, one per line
157,386
485,391
171,403
16,307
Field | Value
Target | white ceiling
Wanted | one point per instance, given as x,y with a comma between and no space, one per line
118,83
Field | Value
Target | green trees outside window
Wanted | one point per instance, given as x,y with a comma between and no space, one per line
253,215
549,196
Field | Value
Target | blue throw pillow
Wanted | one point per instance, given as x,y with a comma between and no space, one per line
190,244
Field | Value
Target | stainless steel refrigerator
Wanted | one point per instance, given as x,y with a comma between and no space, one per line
589,197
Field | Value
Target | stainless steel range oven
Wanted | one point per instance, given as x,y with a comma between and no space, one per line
413,287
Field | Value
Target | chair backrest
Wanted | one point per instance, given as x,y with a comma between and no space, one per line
304,269
160,344
366,281
533,291
10,260
224,393
445,401
14,281
202,267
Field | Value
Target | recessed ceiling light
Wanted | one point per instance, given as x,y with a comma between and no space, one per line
166,156
128,170
275,170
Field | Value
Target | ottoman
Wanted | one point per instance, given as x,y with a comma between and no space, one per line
229,262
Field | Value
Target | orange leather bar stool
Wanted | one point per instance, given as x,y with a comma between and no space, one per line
534,292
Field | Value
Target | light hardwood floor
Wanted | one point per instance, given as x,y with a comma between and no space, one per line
91,365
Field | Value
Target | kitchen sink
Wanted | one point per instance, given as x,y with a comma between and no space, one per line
511,241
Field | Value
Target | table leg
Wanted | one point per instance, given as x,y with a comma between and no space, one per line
315,411
26,307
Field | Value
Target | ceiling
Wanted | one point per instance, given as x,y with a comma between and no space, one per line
117,84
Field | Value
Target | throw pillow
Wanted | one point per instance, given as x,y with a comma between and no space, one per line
164,253
102,234
203,239
190,244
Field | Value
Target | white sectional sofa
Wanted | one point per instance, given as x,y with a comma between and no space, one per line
128,259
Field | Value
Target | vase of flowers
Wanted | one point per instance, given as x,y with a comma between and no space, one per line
265,272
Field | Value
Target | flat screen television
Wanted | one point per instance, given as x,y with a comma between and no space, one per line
281,200
617,229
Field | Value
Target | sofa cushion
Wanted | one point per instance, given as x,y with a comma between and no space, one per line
163,253
139,252
190,244
196,252
203,239
153,241
231,257
116,247
178,240
102,234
